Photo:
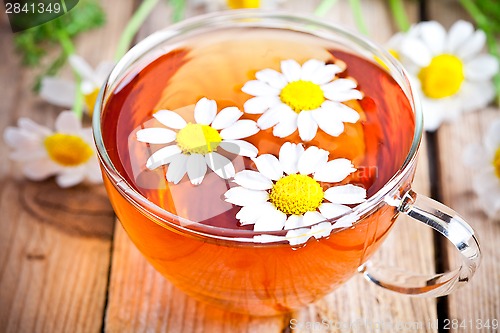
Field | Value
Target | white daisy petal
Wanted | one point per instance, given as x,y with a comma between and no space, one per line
472,46
177,168
71,177
205,111
475,95
18,138
30,126
260,104
289,156
272,116
162,156
79,65
311,160
253,180
294,221
298,236
331,210
265,239
226,117
271,220
285,128
459,32
40,169
156,135
310,67
274,78
221,165
58,91
269,166
170,119
311,218
433,34
259,88
325,74
334,171
307,126
67,122
93,172
196,168
103,69
475,155
346,194
416,50
321,230
240,129
341,90
249,214
328,121
483,67
291,70
241,196
239,147
492,138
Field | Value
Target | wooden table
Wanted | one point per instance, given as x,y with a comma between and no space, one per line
67,266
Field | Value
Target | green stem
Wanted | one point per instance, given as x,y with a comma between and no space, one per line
324,7
358,16
133,26
399,14
178,10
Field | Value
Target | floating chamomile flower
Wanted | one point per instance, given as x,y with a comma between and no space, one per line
485,160
196,144
447,68
285,193
68,153
302,97
62,92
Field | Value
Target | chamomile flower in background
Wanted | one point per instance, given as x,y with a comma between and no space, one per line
195,146
302,97
448,69
285,193
213,5
484,158
67,153
62,92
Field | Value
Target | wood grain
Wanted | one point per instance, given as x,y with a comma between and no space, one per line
55,244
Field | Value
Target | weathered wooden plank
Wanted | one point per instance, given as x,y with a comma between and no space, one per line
54,244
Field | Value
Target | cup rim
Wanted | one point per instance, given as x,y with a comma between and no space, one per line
162,216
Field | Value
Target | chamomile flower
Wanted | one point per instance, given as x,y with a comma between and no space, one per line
195,146
448,69
62,92
285,193
485,160
302,97
67,153
213,5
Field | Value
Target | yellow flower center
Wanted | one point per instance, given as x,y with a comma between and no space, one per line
236,4
198,139
302,95
395,54
90,100
68,150
496,162
296,194
443,77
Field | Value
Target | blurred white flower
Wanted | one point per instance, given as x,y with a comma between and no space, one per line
62,92
67,153
213,5
447,68
484,158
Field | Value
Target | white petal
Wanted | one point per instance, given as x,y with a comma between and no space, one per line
492,137
274,78
475,155
416,50
331,210
260,104
83,69
58,91
71,177
472,46
20,139
221,165
312,159
310,67
271,220
253,180
239,147
162,156
156,135
325,74
475,95
240,129
241,196
291,70
433,35
68,122
177,168
345,194
343,112
307,126
328,121
226,117
289,156
259,88
285,127
459,32
269,166
321,230
196,168
93,171
341,90
311,218
265,239
481,68
170,119
294,221
273,116
298,236
334,171
250,214
29,125
40,169
205,111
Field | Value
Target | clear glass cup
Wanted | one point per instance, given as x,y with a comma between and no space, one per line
233,270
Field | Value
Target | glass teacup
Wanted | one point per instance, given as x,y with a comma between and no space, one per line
264,272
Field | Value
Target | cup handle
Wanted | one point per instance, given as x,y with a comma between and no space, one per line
449,224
